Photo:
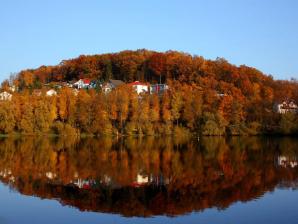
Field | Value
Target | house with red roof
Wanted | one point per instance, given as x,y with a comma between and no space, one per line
82,84
140,87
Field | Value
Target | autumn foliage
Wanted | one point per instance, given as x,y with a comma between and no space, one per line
205,96
188,176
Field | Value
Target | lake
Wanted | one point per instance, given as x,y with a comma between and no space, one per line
149,180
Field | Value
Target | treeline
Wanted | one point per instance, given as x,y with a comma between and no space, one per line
181,110
205,96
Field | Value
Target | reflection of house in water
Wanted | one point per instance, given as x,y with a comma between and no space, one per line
286,161
6,173
106,180
155,180
91,183
50,175
84,184
140,181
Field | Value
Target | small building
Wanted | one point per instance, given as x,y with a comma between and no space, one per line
70,84
158,88
50,175
84,183
141,180
221,95
82,84
12,88
111,84
140,87
37,92
93,84
287,106
287,162
51,92
5,96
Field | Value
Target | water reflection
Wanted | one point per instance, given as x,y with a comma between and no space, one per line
148,176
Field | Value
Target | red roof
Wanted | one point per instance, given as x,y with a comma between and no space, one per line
86,81
137,83
136,184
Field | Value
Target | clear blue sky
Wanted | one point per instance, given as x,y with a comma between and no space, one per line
258,33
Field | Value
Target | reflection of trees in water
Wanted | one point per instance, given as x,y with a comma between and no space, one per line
147,176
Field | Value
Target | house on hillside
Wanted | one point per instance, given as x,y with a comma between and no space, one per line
94,84
140,87
70,84
158,88
82,84
5,96
36,92
111,84
287,106
51,92
221,95
12,88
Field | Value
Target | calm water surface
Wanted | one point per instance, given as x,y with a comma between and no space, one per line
149,180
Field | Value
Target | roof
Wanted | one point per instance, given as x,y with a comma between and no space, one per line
51,90
86,81
137,83
5,93
287,102
116,82
37,92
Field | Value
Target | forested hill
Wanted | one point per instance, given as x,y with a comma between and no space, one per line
211,97
153,67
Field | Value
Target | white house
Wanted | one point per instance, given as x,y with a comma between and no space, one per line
5,96
287,106
140,87
51,92
82,84
12,88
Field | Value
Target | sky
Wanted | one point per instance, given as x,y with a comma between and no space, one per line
259,33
